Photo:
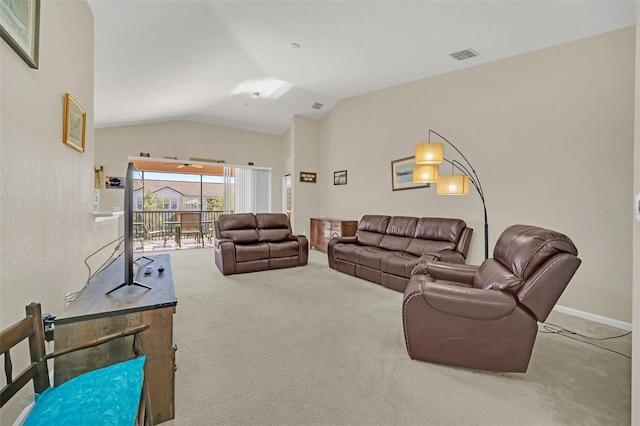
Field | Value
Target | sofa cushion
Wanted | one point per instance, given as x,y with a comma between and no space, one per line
418,246
398,263
249,252
272,221
523,249
273,235
284,249
237,221
492,275
439,229
345,251
371,229
369,256
399,233
239,227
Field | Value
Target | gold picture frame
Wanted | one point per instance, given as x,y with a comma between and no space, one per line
20,28
75,124
402,175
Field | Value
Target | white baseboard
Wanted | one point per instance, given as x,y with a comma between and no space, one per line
593,317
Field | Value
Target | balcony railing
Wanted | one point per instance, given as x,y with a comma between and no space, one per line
161,224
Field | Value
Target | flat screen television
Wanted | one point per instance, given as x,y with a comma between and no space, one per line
129,276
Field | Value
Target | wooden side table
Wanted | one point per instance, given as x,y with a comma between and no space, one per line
323,229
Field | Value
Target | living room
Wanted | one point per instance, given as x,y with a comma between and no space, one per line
534,126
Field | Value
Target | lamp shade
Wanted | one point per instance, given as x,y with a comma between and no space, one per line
429,153
425,173
453,185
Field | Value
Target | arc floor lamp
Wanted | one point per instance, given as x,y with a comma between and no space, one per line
429,156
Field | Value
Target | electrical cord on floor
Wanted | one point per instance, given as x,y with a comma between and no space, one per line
556,329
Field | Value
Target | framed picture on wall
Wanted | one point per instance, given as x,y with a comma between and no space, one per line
20,28
340,178
308,177
75,123
402,174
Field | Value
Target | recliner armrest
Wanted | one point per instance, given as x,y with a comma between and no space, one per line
466,302
346,240
458,272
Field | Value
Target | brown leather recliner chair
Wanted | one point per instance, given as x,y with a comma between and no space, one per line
486,317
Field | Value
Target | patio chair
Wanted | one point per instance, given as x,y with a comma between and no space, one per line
190,224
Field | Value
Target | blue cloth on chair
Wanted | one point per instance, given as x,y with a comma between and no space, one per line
108,396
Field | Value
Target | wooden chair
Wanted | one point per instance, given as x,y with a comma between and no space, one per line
130,373
191,224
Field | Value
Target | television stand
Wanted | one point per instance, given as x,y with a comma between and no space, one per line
137,283
125,284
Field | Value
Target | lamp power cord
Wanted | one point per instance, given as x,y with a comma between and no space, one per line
561,331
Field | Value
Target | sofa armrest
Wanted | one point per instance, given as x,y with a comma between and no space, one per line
303,248
225,255
457,272
345,240
466,302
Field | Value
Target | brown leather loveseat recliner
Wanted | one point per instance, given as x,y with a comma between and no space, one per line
486,317
247,242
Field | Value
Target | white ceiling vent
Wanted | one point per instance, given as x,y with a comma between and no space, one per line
317,105
464,54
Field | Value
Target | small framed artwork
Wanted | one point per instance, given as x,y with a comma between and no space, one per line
402,175
20,28
308,177
340,178
114,182
75,123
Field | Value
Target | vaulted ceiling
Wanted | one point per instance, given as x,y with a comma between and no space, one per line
254,64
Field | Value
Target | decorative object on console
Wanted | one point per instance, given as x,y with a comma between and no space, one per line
20,28
308,177
340,178
75,123
428,156
402,175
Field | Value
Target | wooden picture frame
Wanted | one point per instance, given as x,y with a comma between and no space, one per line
340,177
20,28
75,124
309,177
402,175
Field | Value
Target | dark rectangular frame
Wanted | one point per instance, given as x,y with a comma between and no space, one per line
309,177
406,163
340,177
29,56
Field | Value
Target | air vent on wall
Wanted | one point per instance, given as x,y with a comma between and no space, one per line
464,54
317,105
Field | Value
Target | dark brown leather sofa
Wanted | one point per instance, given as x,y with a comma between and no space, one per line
386,249
247,242
486,317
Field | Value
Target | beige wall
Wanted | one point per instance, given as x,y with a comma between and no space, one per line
305,135
186,139
550,134
46,221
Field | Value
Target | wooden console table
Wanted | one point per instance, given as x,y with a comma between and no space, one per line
94,313
323,229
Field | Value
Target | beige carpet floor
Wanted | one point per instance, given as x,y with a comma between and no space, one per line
313,346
